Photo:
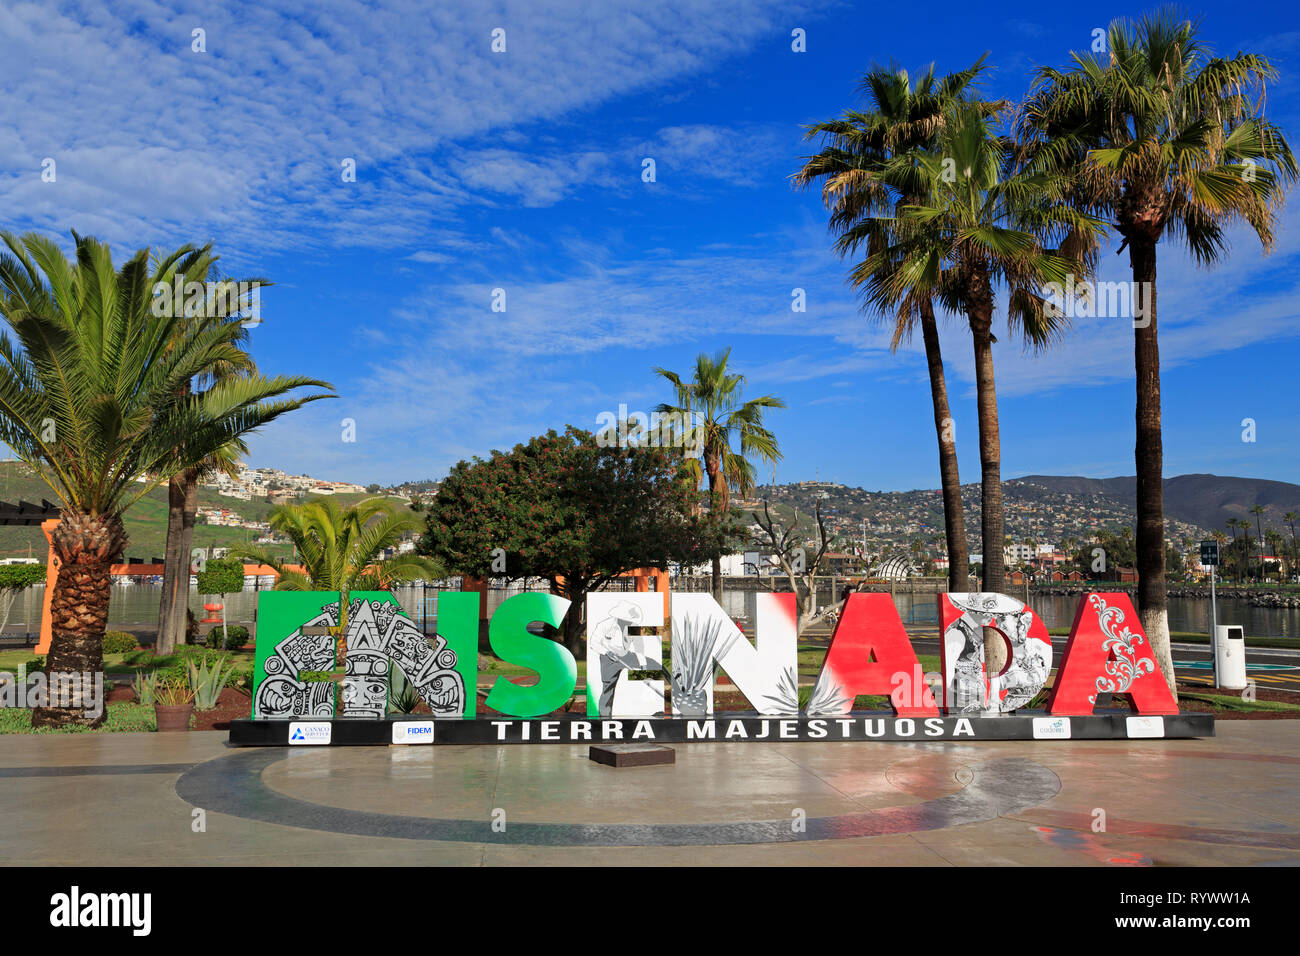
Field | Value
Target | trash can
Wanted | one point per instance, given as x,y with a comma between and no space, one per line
1230,656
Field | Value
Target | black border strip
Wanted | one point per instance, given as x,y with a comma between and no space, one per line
737,727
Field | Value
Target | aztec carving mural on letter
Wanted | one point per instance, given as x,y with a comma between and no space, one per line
281,693
379,637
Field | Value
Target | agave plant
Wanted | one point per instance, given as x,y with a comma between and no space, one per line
786,698
402,696
698,640
206,682
827,698
144,685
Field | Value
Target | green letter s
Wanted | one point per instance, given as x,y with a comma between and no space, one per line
511,641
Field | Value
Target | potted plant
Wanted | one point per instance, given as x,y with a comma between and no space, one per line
173,704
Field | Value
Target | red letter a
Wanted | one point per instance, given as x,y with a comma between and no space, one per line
1108,652
871,654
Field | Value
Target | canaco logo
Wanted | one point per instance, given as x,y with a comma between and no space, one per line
309,732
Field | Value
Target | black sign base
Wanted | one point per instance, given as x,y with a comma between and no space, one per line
740,727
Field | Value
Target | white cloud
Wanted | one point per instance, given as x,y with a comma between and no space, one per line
155,142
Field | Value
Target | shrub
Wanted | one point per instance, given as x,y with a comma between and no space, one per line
144,683
402,695
36,664
241,680
236,637
206,682
170,693
119,642
174,673
221,576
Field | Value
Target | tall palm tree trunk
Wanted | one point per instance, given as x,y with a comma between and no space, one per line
189,514
1259,531
183,506
173,585
991,520
1153,608
717,506
86,546
954,520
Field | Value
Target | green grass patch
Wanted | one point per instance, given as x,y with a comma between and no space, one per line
872,702
1229,702
133,661
122,717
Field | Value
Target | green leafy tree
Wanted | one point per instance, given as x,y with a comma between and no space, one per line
91,398
1160,137
221,576
1118,548
727,429
1176,563
572,510
14,580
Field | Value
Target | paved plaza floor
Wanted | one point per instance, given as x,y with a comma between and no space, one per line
113,799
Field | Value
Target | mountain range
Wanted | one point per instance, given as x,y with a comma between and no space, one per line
1207,501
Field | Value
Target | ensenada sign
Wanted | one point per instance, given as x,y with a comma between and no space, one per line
869,654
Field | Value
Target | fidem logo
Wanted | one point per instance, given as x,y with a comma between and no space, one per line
413,732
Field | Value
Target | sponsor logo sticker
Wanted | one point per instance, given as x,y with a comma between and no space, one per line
1145,726
413,731
309,732
1051,728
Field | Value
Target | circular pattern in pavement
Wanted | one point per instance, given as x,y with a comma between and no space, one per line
233,785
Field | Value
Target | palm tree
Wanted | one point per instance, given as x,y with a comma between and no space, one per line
90,399
902,117
1290,518
984,220
1232,524
223,298
1162,137
341,549
1258,511
711,403
1274,540
182,510
1219,538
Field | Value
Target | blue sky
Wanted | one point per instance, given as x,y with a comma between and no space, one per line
522,170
